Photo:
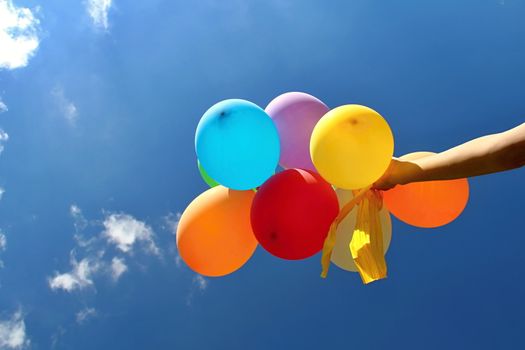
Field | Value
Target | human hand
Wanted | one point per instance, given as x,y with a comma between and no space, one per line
399,172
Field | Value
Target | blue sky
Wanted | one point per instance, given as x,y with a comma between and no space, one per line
100,101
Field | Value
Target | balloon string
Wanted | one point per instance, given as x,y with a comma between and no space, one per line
329,242
366,246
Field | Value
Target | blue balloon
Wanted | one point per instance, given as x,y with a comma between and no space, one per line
237,143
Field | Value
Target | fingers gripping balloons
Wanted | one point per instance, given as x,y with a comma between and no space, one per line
351,146
295,115
214,235
292,212
237,143
427,204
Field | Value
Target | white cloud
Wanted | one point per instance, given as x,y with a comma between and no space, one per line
200,282
3,242
4,137
124,231
56,336
75,211
3,107
79,277
178,261
98,11
3,246
67,108
118,267
83,315
2,191
13,332
172,222
80,221
18,35
120,230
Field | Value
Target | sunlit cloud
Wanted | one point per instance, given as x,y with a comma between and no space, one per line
95,259
3,107
4,137
172,222
3,246
124,231
78,278
57,336
98,11
13,332
3,242
118,267
80,221
18,35
68,110
85,314
200,282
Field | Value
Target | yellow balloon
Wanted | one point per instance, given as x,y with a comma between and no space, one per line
351,146
341,255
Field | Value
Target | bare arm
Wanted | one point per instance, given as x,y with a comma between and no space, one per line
484,155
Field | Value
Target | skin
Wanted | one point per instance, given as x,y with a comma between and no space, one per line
484,155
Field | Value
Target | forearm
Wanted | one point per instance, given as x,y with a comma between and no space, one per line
484,155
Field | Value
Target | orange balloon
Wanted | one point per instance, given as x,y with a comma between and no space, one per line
214,235
427,204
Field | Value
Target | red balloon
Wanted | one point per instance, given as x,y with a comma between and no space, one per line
292,213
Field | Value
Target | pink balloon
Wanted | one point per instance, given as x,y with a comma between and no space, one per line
295,115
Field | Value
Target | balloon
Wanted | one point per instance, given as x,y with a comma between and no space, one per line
292,212
427,204
295,115
237,143
211,182
351,146
341,255
214,235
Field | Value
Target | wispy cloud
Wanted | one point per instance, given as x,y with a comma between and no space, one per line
98,11
13,332
3,247
124,231
172,222
66,107
18,35
79,277
57,336
80,221
3,242
85,314
198,284
121,231
4,137
3,107
178,261
118,267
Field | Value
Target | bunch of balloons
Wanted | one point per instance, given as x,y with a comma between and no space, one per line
283,177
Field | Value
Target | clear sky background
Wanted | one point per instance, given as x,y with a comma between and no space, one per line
100,101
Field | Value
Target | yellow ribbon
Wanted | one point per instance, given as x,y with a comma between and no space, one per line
367,240
329,242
